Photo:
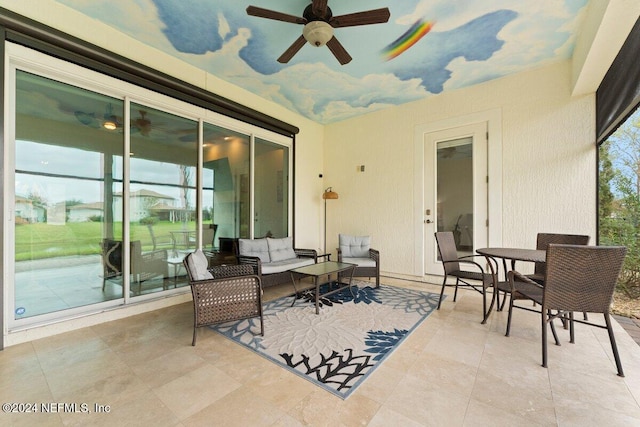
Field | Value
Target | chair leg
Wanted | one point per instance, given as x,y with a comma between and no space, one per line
444,283
572,332
455,293
614,347
504,300
509,316
553,328
193,342
543,316
261,325
484,306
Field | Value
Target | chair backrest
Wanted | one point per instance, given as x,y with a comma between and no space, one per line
543,241
354,246
196,264
112,257
582,278
208,236
153,235
231,270
448,251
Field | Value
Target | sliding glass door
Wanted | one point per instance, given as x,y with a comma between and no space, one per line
68,174
163,159
111,185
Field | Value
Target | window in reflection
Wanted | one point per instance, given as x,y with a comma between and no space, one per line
225,191
271,189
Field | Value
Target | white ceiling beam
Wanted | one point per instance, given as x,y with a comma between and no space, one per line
606,26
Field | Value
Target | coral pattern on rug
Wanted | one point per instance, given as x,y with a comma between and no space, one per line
338,348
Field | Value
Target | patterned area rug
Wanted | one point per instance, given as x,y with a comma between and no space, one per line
340,347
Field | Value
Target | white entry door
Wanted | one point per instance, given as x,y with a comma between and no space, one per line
456,182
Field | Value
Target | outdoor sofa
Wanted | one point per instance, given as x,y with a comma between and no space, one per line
272,259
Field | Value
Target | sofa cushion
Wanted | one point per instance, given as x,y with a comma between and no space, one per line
284,265
198,264
361,262
354,246
281,249
254,247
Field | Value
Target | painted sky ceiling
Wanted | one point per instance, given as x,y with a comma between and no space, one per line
470,42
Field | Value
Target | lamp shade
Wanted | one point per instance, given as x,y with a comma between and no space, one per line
329,194
317,33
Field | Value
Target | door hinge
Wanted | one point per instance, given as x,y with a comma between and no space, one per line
486,222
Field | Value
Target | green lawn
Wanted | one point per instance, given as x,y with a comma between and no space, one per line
37,241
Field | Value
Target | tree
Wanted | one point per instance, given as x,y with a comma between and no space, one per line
620,214
605,179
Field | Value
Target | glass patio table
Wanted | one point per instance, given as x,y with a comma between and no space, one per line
324,270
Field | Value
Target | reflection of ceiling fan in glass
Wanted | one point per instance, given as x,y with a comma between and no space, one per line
319,23
141,124
108,121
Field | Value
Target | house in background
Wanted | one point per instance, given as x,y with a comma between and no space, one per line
144,203
27,211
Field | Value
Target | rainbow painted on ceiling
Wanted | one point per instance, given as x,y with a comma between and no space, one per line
408,39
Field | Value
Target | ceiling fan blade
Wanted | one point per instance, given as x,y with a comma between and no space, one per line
319,8
272,14
293,49
375,16
338,51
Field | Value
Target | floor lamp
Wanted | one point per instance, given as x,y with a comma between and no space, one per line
328,194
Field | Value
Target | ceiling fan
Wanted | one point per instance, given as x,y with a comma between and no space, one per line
108,120
319,23
141,124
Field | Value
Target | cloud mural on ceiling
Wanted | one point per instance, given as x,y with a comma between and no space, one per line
470,42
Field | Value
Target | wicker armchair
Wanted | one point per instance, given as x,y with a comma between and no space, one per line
452,267
356,250
222,293
144,265
543,240
578,278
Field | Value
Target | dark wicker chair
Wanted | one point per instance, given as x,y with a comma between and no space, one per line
232,293
144,265
368,264
542,243
578,278
452,267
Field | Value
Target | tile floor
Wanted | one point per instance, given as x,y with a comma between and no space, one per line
451,371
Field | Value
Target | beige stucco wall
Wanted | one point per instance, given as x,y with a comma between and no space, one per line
548,163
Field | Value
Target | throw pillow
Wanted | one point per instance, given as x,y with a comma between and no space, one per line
354,246
281,249
198,264
254,247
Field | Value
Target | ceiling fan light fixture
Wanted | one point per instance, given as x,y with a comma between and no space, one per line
317,33
109,125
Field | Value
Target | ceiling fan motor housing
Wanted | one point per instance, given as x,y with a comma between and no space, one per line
317,30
